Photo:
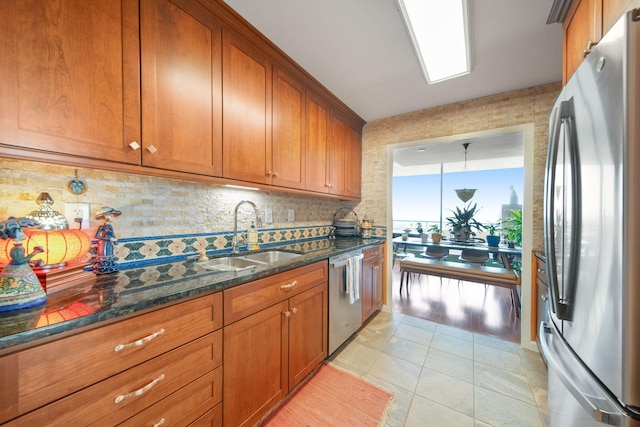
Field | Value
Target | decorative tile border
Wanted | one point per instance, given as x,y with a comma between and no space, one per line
141,250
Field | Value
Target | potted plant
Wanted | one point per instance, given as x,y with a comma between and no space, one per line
513,227
420,231
436,233
463,222
493,239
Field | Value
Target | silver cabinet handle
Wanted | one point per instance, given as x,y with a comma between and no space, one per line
152,149
590,45
141,341
134,145
160,422
287,313
294,310
544,297
139,391
275,174
289,285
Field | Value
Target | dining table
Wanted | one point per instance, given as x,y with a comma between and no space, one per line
502,252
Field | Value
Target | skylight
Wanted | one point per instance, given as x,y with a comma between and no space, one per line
439,30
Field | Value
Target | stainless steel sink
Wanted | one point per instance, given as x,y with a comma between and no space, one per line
230,264
269,257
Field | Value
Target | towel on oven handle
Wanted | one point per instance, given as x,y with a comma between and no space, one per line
353,277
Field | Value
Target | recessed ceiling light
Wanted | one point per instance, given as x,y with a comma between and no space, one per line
439,30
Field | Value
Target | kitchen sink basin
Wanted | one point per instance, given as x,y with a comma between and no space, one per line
269,257
230,263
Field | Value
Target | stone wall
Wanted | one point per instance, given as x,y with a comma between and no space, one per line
531,105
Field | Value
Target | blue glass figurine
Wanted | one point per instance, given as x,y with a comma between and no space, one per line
104,261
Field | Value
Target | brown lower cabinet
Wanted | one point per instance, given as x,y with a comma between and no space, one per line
372,281
163,367
280,337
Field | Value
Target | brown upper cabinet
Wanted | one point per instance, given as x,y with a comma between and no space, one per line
288,157
70,77
586,22
173,88
246,91
181,87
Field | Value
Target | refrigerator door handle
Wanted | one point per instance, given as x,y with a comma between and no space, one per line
588,392
549,225
561,120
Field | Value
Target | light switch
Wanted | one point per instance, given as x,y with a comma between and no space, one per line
268,216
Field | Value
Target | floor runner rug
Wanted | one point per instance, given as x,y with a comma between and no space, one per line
332,398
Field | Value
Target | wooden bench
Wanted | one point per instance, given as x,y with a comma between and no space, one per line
496,276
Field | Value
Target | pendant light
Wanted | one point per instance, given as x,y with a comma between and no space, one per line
465,194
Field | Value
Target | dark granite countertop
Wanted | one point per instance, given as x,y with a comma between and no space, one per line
136,289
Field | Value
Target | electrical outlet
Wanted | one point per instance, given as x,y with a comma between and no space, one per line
268,216
78,215
291,215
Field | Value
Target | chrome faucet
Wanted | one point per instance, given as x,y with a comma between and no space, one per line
236,241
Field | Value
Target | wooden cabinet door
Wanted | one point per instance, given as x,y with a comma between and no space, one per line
337,155
308,339
612,10
181,87
354,163
582,25
70,77
317,116
254,363
247,91
368,292
378,280
288,149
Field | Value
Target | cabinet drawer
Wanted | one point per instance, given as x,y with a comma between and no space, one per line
42,374
113,400
244,300
213,418
184,406
372,253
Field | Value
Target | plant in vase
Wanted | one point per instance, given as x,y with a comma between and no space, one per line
420,231
462,223
513,228
436,233
493,239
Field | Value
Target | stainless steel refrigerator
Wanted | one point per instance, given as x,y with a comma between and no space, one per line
592,238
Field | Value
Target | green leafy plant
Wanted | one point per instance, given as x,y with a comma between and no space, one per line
464,218
435,228
513,227
493,228
419,228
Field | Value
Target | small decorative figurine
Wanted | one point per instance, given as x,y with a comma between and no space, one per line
104,261
19,286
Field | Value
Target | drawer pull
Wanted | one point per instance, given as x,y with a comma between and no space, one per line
294,310
139,391
141,341
287,313
160,422
289,286
544,297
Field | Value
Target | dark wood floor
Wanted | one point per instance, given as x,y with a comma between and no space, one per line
471,306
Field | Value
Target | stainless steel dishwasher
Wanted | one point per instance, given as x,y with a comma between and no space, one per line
345,311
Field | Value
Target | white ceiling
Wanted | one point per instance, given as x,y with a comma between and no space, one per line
360,50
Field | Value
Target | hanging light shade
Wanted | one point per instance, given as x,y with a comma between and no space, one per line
60,244
465,194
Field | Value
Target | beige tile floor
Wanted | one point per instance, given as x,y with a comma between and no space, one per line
444,376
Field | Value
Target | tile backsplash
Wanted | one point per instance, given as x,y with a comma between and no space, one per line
165,218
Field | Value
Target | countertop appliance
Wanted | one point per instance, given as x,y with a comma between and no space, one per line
592,238
345,304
